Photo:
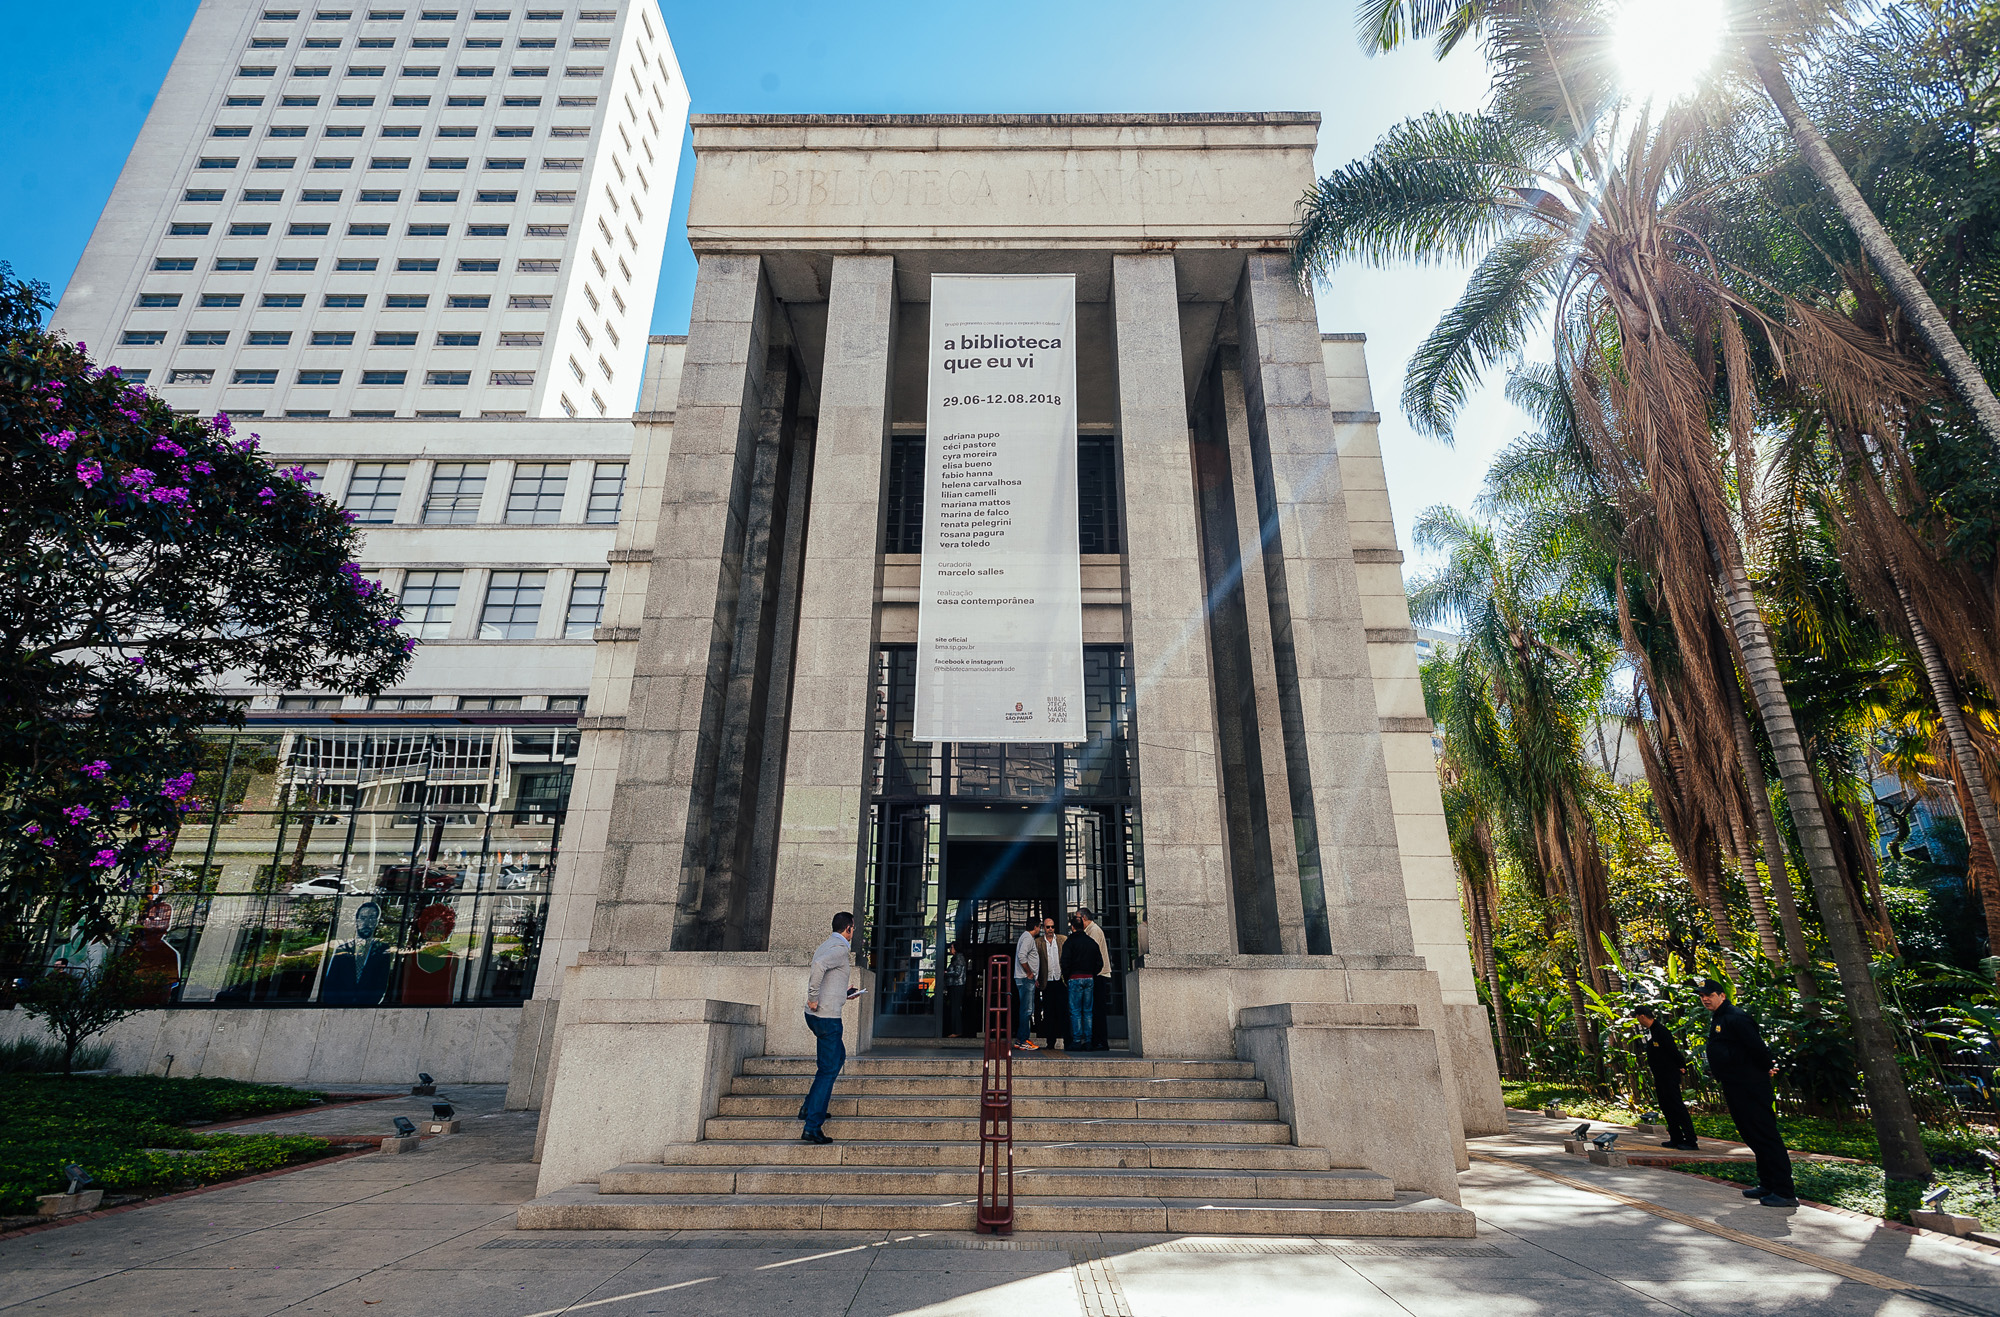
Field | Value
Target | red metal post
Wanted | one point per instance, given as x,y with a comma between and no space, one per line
996,1103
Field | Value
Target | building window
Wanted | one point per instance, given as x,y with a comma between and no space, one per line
428,231
406,301
479,266
306,231
393,338
370,194
528,302
400,702
333,338
305,703
491,231
355,264
190,377
270,338
586,608
368,230
510,378
238,264
469,301
271,194
450,379
566,704
437,196
456,489
375,490
383,376
513,606
143,338
205,338
348,301
521,338
202,194
445,340
488,703
389,162
429,599
284,301
297,264
497,198
607,494
536,497
221,300
319,377
186,230
416,264
254,377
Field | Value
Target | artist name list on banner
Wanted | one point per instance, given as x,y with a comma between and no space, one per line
1000,613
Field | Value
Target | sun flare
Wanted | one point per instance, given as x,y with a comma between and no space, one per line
1663,47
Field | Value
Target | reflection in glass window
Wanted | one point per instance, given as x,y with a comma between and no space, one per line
537,494
586,608
607,493
375,490
513,606
429,599
489,702
456,489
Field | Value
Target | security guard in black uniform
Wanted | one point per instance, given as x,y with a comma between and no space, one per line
1742,1067
1667,1062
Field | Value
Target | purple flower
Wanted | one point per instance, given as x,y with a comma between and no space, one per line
299,475
409,644
157,844
76,814
138,660
267,496
124,802
165,445
32,829
222,423
176,787
171,495
138,480
95,769
104,859
204,468
247,445
350,516
60,440
47,841
90,471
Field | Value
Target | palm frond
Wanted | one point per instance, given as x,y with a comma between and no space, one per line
1491,319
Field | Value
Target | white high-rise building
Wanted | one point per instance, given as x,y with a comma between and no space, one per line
443,209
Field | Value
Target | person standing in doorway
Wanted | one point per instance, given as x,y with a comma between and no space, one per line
1054,1005
1668,1063
1080,963
1027,978
955,975
827,992
1743,1068
1100,991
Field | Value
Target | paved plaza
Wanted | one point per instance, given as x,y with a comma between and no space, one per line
431,1233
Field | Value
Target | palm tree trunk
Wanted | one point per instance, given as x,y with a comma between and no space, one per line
1489,969
1753,887
1971,778
1896,1130
1908,290
1712,897
1775,863
1982,871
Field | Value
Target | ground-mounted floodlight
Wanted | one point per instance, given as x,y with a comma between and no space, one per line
1650,1117
1934,1199
441,1111
405,1127
78,1177
423,1078
1581,1132
1604,1141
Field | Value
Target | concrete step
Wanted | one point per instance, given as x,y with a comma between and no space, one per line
581,1207
1029,1182
1206,1156
1042,1129
1025,1108
1083,1065
1027,1083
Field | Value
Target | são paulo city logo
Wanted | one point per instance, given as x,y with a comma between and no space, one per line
1020,714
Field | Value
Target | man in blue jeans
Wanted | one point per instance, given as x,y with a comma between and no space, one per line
1080,962
826,993
1028,974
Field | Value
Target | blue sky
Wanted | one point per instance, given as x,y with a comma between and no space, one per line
77,78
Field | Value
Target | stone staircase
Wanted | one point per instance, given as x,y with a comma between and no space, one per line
1100,1144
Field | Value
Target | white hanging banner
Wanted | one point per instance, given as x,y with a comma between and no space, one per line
1000,615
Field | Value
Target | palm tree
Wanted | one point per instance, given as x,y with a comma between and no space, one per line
1768,33
1573,210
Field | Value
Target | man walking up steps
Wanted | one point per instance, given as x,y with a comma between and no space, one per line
826,993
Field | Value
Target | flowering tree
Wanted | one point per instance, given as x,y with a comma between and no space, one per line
145,557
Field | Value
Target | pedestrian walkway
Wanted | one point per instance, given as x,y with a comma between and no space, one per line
432,1232
1533,1127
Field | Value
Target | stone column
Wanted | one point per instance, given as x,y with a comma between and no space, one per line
1263,674
1186,853
1332,729
677,679
822,830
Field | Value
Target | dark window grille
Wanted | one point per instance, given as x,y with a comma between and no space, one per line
1098,527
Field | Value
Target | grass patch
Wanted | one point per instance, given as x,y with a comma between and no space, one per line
1950,1147
1862,1188
130,1132
27,1056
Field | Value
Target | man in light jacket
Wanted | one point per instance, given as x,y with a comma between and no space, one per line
1100,993
827,991
1027,976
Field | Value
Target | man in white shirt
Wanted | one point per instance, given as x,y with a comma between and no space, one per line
1100,998
826,993
1028,972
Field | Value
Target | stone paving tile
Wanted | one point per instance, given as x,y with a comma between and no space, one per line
18,1286
905,1294
250,1291
356,1250
509,1292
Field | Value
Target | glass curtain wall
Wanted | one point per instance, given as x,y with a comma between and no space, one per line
397,864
